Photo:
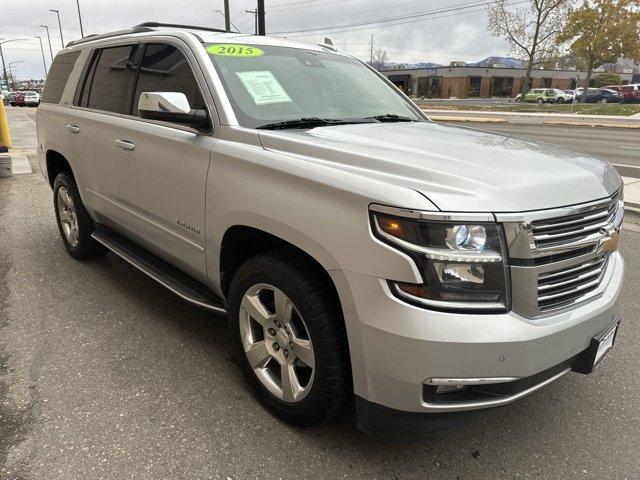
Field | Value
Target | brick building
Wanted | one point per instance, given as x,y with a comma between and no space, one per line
467,81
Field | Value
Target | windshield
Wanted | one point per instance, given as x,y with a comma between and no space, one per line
268,84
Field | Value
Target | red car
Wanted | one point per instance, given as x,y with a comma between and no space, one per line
631,93
19,100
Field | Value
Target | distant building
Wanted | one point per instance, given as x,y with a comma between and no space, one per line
464,81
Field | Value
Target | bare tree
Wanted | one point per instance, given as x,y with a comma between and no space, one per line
379,59
530,30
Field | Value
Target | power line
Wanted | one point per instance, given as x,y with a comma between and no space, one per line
384,22
398,18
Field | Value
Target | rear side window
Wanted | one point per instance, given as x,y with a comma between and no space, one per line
58,76
108,80
165,69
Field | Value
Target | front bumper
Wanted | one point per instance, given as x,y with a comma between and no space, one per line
396,347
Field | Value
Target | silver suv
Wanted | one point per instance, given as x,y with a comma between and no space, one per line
362,253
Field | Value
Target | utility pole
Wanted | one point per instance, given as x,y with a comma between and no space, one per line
255,19
44,62
59,26
80,18
261,27
4,69
49,39
227,17
371,44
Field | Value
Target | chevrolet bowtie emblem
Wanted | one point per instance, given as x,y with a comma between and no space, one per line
610,242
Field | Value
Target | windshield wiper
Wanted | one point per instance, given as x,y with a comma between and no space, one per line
391,117
312,122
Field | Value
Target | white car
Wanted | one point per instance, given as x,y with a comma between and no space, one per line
31,99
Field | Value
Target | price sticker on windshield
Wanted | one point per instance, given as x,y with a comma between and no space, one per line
234,50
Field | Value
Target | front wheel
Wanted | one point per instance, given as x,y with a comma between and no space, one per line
74,222
561,100
289,337
603,100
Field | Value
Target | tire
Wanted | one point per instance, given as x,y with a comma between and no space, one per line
603,100
67,202
560,100
327,386
540,101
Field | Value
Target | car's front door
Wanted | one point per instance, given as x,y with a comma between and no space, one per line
161,168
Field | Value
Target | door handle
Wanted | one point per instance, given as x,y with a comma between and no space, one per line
125,144
74,129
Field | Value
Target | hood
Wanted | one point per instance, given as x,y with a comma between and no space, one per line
456,168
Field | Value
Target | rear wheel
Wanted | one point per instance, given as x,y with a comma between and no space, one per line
74,222
540,101
561,100
603,100
289,337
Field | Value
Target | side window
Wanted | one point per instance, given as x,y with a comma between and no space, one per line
58,76
164,68
109,80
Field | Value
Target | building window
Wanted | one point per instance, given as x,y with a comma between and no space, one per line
546,83
474,86
501,87
574,83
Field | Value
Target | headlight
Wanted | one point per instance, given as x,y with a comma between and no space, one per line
463,264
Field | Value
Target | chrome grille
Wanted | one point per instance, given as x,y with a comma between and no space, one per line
571,285
572,228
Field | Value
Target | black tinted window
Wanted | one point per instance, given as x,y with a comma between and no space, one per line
110,80
165,69
58,76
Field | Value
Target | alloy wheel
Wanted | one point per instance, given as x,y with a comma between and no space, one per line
67,216
276,343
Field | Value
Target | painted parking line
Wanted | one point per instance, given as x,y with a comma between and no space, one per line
626,166
631,148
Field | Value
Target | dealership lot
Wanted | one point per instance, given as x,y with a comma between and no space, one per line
105,374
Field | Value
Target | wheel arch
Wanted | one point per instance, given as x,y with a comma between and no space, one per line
242,242
56,163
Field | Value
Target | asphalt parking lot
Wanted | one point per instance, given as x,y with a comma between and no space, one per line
104,374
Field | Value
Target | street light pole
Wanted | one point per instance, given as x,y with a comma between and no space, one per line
59,25
80,18
44,62
227,17
49,40
255,20
4,69
261,27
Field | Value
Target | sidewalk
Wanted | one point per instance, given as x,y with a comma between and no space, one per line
611,121
23,137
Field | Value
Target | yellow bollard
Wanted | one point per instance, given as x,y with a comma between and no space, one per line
5,136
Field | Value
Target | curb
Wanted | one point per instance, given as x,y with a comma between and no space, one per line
454,118
605,124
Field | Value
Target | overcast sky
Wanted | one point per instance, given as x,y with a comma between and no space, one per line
446,34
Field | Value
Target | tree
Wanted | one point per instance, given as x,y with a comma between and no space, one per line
531,30
380,59
601,31
604,79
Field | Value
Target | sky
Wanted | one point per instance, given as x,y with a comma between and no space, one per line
447,32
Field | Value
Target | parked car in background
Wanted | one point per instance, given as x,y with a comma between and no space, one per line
630,93
542,95
31,99
18,100
563,96
599,95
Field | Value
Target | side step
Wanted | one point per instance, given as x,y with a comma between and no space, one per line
162,272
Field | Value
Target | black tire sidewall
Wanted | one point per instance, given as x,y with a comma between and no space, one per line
314,407
86,247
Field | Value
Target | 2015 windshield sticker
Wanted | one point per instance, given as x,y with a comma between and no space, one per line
263,87
233,50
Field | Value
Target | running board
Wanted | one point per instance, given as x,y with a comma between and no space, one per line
161,271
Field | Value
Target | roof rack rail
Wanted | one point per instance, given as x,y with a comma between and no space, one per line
143,27
177,25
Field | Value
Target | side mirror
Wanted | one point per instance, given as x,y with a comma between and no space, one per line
171,107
